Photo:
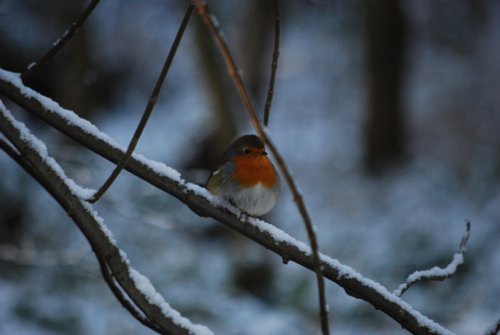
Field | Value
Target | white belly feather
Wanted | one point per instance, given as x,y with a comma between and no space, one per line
256,200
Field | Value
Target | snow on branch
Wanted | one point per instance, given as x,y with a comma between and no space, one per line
204,204
436,273
144,302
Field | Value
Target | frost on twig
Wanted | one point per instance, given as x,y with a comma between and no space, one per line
436,273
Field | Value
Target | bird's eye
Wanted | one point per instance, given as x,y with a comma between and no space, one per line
246,151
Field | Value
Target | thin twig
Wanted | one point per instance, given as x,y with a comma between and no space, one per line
148,110
437,273
208,19
60,43
274,64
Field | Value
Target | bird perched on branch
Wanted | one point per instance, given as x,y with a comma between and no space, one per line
246,177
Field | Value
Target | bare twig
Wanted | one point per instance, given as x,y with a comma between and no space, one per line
208,19
60,43
437,273
274,64
352,282
148,110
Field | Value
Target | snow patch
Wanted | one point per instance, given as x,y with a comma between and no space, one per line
144,285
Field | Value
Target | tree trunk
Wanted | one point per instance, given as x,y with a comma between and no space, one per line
386,45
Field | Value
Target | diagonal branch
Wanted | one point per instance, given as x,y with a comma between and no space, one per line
274,63
158,315
437,273
149,108
125,302
60,43
210,22
201,202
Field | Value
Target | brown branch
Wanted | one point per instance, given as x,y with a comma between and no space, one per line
354,284
207,18
60,43
436,273
9,150
101,243
149,108
274,63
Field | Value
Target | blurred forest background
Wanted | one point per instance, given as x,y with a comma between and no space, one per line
387,112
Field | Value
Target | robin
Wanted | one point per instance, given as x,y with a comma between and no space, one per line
246,177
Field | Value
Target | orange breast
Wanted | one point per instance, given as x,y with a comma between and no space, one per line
251,170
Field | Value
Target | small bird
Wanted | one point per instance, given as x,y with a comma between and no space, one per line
246,177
